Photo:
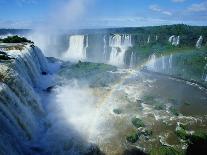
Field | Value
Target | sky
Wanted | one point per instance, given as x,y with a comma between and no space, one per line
101,13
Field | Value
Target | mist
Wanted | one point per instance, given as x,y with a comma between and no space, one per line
62,17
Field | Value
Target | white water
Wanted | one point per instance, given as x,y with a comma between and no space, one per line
175,41
159,64
21,109
170,61
77,48
132,60
151,62
105,48
119,44
148,39
163,62
199,42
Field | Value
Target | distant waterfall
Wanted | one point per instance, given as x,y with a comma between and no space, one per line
170,61
105,48
131,60
119,44
175,41
77,48
161,64
199,42
148,39
151,64
156,37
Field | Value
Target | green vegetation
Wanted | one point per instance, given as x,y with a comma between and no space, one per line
164,150
137,122
174,111
15,39
182,133
198,137
159,106
132,137
85,69
117,111
148,98
197,143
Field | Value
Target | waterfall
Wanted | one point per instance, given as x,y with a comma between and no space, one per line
171,38
199,42
156,37
151,64
170,61
148,39
119,44
174,40
77,48
163,62
131,60
105,48
20,106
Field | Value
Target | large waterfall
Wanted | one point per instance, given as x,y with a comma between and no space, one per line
20,107
77,48
119,44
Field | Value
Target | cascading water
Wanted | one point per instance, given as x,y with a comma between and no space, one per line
119,44
199,42
163,62
20,105
175,41
170,61
151,62
148,39
105,48
77,48
132,60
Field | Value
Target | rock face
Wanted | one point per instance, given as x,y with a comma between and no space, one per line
20,107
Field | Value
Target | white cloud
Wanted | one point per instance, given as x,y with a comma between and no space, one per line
178,1
157,8
200,7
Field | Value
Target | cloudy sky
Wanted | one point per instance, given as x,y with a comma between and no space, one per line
100,13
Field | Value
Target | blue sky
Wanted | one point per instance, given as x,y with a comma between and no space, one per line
100,13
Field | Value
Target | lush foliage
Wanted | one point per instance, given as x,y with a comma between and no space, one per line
15,39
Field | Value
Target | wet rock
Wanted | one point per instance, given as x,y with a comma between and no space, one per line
44,73
49,89
94,150
117,111
4,56
133,151
37,149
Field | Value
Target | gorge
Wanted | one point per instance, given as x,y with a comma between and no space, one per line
117,91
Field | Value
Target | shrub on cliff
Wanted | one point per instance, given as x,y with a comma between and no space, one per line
16,39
